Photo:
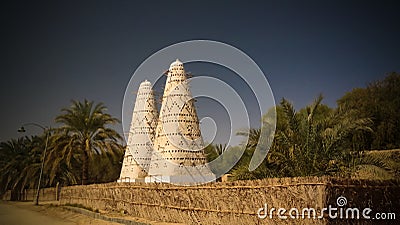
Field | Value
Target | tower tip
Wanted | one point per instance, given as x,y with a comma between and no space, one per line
145,83
177,62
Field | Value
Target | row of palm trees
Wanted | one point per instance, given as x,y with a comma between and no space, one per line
315,141
84,144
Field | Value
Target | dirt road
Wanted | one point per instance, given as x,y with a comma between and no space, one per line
24,213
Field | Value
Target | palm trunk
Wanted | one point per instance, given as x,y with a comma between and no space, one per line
85,168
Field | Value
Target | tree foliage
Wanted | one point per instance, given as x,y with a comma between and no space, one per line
84,149
20,164
311,142
84,133
319,140
379,101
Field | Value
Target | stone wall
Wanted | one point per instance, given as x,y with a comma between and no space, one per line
235,202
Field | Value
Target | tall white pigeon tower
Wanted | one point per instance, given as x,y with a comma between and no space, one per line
178,155
141,136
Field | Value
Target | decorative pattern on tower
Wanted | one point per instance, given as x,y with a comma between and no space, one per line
178,155
141,136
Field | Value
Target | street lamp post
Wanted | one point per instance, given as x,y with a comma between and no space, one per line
47,131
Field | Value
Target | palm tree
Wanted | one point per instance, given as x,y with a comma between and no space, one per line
31,163
10,152
60,169
20,164
241,169
316,140
377,164
84,133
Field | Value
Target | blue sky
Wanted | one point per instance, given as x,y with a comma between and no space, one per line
55,51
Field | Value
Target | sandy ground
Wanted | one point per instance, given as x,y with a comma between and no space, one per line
49,213
21,213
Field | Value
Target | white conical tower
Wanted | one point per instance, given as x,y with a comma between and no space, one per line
178,155
141,136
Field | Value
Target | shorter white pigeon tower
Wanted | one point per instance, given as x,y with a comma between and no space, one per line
141,136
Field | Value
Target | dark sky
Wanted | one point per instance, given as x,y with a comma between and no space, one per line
55,51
